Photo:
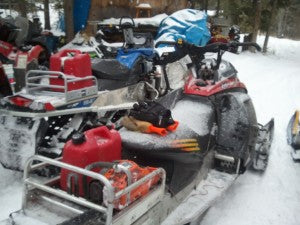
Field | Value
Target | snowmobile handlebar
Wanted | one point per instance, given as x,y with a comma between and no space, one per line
184,48
126,24
215,47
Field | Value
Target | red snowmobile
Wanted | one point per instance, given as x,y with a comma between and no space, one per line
23,52
100,182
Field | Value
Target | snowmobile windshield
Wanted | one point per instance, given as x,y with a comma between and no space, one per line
23,25
14,31
8,31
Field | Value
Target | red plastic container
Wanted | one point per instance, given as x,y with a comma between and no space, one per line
99,144
71,62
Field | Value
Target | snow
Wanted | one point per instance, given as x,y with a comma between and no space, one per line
196,117
155,20
10,192
144,5
271,198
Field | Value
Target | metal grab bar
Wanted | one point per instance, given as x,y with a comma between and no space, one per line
111,196
62,194
54,74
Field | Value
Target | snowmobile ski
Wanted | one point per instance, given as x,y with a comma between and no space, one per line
263,144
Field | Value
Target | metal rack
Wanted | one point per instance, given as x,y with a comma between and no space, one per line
69,95
45,186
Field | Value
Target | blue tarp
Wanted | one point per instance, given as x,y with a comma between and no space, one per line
80,14
188,24
128,57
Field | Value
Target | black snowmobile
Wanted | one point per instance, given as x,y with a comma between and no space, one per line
217,139
127,29
293,135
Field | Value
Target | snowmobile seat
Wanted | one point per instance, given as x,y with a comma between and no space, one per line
110,69
113,75
180,153
128,68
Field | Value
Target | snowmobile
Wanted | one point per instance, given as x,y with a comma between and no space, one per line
53,105
22,52
233,35
56,103
98,47
115,32
293,135
158,180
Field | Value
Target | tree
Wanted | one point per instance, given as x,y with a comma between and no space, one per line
69,22
205,5
269,24
218,7
22,8
46,15
256,23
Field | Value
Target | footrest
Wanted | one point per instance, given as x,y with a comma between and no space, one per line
200,199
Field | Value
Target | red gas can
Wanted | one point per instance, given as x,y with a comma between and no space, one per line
71,62
99,144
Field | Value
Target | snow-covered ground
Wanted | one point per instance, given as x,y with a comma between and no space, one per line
272,198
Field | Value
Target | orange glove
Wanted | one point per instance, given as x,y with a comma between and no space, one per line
142,126
173,127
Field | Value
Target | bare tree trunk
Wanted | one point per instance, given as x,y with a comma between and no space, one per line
257,7
205,5
201,3
47,15
22,8
269,25
218,8
69,22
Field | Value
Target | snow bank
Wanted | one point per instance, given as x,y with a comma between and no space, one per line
282,48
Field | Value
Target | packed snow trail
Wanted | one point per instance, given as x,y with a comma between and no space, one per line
273,82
